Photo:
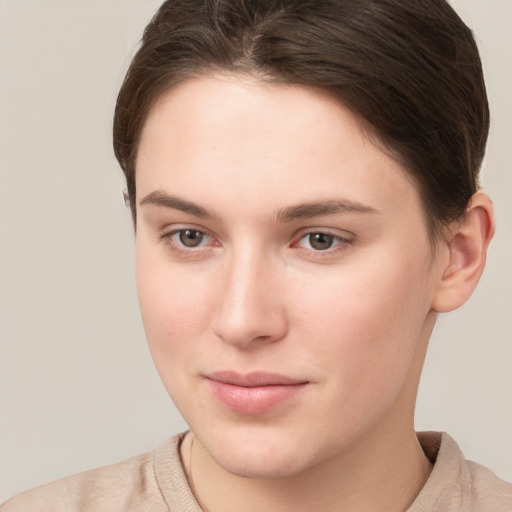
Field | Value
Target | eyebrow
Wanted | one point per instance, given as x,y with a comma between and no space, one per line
159,198
320,208
288,214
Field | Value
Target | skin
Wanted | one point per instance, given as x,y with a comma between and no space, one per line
351,320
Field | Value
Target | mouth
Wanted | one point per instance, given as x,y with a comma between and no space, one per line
253,393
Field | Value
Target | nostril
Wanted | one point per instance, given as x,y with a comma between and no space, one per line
241,326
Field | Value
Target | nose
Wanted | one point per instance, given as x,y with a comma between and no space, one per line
251,308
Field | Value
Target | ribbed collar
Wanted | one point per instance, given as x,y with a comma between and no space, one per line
447,486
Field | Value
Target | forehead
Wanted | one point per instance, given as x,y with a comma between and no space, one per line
270,145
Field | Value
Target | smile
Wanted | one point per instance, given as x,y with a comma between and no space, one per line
254,393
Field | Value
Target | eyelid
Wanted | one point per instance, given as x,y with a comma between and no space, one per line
338,233
183,226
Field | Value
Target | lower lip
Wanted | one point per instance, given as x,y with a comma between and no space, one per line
253,400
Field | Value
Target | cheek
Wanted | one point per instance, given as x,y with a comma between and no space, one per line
366,324
175,311
174,316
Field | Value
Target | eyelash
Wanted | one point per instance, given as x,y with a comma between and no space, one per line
175,246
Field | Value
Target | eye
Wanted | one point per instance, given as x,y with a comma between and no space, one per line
190,237
183,239
321,241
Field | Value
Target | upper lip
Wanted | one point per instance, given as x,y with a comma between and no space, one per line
254,379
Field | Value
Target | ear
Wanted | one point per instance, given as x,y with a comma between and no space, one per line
464,253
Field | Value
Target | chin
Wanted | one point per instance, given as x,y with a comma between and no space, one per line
262,452
258,463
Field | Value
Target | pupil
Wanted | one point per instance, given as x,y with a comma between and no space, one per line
191,238
321,241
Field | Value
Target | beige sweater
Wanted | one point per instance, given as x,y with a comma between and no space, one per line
156,482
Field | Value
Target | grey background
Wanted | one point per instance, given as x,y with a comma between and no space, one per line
77,385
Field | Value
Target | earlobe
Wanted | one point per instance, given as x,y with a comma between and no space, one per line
466,249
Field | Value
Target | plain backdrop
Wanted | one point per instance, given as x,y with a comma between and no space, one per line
77,385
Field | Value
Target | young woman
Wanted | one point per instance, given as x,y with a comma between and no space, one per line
303,180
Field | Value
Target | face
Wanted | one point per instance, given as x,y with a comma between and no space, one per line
284,270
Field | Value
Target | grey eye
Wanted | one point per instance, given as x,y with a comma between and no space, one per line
321,241
191,237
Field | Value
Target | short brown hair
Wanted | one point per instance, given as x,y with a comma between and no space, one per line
409,69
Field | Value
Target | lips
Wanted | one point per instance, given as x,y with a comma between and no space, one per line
253,393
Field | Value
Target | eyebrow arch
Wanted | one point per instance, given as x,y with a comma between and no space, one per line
318,208
159,198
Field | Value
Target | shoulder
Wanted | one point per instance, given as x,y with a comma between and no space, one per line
489,490
127,485
456,484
